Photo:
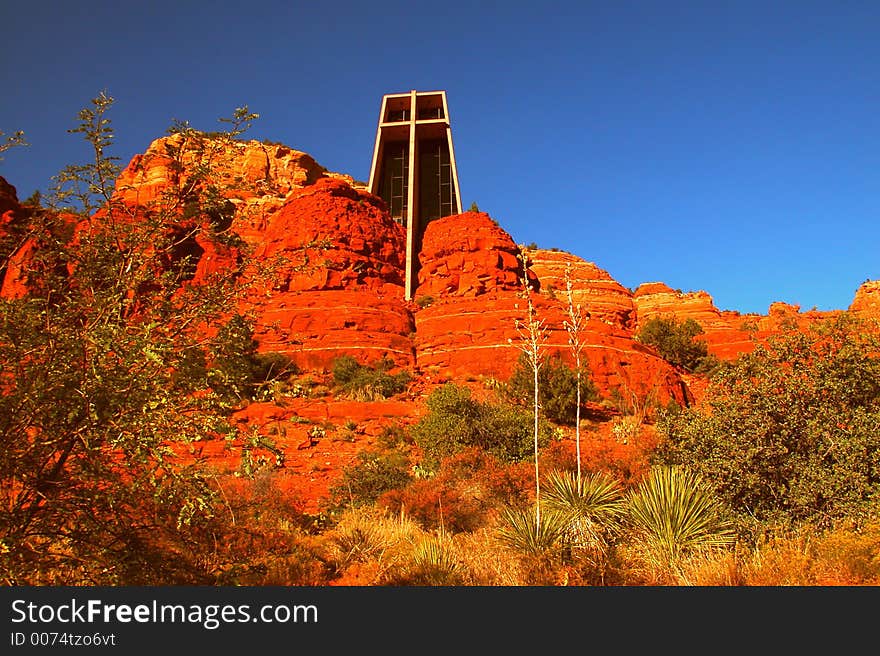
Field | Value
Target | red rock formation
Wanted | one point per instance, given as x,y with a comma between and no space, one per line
655,299
256,178
469,281
18,244
866,302
245,169
11,270
726,334
471,271
593,288
336,279
8,201
467,255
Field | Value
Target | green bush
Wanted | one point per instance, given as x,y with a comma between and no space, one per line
456,421
675,341
373,474
237,371
791,431
557,388
365,382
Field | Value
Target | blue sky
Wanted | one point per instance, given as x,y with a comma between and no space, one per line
731,147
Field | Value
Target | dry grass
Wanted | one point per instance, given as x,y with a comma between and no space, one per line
846,556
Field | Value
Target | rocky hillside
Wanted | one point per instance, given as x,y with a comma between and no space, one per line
337,289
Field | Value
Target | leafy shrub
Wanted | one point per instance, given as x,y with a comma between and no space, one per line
366,480
236,370
464,492
675,341
791,431
488,478
557,388
367,383
435,504
455,421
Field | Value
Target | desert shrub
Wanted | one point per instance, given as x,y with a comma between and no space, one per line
487,478
520,531
373,474
368,539
257,536
675,341
790,433
673,514
432,562
435,504
851,555
393,436
367,382
455,421
557,388
236,370
594,506
594,503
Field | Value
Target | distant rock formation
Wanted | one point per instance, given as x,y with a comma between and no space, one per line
866,302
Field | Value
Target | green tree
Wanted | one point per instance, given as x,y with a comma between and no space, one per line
791,431
95,364
455,420
560,388
675,340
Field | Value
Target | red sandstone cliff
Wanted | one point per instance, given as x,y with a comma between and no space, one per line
471,329
866,302
336,280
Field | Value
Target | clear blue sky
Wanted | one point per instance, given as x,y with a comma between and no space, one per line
731,147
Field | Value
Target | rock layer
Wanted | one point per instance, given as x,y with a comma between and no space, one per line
335,279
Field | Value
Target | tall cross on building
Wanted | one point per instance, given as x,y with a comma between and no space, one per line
413,167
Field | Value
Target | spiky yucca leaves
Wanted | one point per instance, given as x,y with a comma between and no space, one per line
673,514
593,505
433,563
523,534
596,496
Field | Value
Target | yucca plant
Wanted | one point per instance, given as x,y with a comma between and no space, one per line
593,506
672,514
434,564
523,534
364,534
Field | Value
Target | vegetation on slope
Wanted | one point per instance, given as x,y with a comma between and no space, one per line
772,481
